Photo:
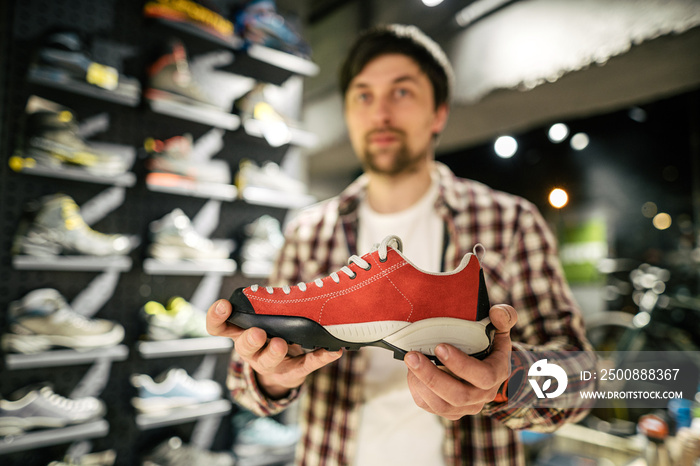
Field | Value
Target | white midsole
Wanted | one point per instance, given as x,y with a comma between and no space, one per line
423,336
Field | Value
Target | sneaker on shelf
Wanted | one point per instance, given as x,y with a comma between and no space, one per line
260,23
172,389
101,458
171,80
177,319
269,176
174,452
52,140
394,305
201,14
43,319
264,239
173,156
54,226
174,238
40,407
263,437
261,118
65,53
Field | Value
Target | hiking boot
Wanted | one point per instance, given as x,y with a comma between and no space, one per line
198,13
41,407
173,156
170,79
43,319
58,228
52,140
380,299
260,23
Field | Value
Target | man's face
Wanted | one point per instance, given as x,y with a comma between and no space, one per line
390,114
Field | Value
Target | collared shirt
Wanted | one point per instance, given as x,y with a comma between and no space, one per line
521,268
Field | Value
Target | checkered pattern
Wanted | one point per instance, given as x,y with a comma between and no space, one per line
521,268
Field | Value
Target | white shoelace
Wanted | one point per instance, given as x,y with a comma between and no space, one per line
381,247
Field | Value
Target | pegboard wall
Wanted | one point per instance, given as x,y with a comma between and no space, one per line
118,33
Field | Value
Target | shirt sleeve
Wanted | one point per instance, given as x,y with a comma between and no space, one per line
549,327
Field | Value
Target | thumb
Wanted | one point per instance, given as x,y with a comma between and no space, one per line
503,317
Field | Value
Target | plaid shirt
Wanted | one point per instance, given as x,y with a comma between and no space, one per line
521,268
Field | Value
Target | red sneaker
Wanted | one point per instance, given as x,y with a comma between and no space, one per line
379,299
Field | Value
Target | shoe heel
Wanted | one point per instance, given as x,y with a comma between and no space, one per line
473,338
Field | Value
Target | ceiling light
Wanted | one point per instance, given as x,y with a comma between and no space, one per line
505,146
579,141
558,132
558,198
432,2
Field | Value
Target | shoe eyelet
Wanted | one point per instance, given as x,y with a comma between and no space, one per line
383,260
369,266
354,276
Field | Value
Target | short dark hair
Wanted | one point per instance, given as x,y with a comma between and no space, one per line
406,40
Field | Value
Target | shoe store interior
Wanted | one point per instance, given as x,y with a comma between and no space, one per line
155,150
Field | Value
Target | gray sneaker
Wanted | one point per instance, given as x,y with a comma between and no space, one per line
43,319
174,238
58,228
41,407
173,452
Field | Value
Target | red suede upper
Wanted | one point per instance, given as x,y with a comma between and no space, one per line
390,291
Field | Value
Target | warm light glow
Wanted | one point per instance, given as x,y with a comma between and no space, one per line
505,146
558,198
662,221
558,132
579,141
432,2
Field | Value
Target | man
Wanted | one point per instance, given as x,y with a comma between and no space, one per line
363,408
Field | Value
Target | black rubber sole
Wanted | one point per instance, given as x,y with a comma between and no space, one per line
311,335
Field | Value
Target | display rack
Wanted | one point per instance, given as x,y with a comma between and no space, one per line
118,286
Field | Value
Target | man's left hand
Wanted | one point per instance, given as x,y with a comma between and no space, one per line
465,384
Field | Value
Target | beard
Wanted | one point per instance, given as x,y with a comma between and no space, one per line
401,159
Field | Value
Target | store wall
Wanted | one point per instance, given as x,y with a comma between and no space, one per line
120,36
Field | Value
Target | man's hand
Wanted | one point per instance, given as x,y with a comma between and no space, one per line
279,367
466,383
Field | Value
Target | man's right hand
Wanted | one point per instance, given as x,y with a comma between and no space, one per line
279,367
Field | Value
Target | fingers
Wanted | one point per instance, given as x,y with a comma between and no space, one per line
438,392
216,320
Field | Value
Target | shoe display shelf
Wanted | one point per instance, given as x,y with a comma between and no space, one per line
202,115
73,263
184,347
297,137
271,198
67,357
212,409
264,63
126,180
216,191
58,436
127,92
225,267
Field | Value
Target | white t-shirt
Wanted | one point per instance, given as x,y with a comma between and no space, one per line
393,430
